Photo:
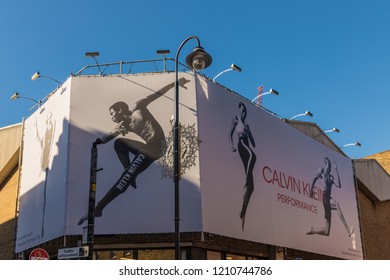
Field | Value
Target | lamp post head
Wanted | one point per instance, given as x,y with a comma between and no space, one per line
272,91
198,59
335,130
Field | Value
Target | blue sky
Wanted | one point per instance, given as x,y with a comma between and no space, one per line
329,57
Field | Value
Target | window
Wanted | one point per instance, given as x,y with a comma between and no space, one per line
116,255
213,255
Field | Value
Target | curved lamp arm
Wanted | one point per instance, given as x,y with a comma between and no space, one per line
307,113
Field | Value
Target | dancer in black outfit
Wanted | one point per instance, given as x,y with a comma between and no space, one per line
141,122
247,156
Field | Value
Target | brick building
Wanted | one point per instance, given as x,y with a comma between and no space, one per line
9,181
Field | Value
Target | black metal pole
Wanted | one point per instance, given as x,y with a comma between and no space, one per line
92,200
176,151
176,159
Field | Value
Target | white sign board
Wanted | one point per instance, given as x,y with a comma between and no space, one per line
73,253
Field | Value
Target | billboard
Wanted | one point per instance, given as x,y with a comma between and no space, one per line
273,183
245,173
42,207
132,117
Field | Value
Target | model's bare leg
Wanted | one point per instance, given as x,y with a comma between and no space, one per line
350,230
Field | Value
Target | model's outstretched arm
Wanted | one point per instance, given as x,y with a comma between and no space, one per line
37,133
150,98
338,183
119,129
318,176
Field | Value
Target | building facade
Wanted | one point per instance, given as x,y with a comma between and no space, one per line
246,187
9,181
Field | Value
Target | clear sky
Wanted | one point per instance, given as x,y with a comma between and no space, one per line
329,57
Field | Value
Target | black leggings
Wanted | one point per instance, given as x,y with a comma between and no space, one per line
144,156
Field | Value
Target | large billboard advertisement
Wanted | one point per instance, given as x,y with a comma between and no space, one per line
244,173
132,116
42,208
273,183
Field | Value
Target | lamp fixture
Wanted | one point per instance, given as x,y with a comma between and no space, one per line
16,95
233,67
327,131
94,55
163,53
332,130
271,91
38,75
307,113
198,59
351,144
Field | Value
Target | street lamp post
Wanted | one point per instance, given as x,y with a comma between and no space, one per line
92,199
196,60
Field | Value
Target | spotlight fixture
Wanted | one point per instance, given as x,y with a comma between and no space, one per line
336,130
332,130
307,113
351,144
233,67
16,95
94,55
271,91
163,52
38,75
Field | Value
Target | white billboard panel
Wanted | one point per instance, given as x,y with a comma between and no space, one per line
273,183
42,207
131,114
